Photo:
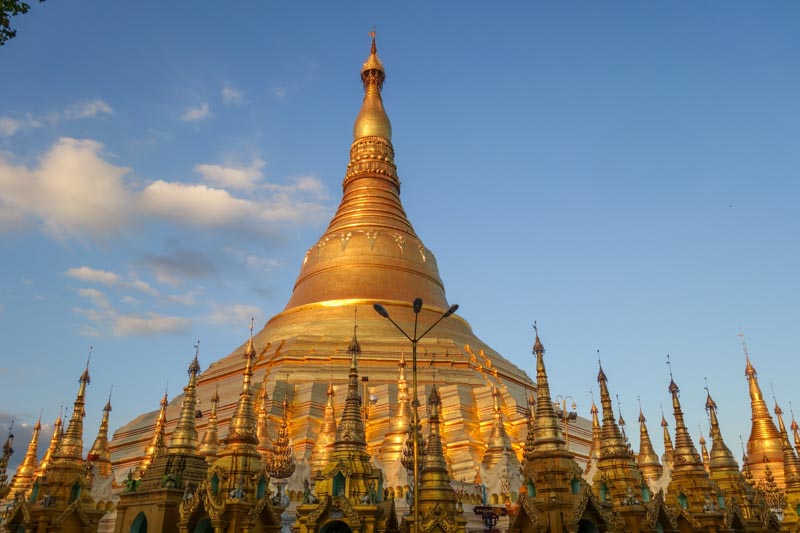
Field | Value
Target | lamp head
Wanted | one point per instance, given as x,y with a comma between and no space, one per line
417,305
453,309
381,310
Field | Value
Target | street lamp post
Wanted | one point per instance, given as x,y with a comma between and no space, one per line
417,306
566,416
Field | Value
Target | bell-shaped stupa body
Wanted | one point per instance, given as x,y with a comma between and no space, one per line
370,253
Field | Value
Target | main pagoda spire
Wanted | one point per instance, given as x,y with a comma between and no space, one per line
370,249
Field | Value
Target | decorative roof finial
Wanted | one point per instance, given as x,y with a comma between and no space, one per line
749,370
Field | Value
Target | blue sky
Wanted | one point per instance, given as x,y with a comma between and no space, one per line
625,173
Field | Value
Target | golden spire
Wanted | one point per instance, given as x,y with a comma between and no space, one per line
648,458
327,433
99,454
157,444
685,452
281,464
350,432
791,465
184,438
210,443
547,427
704,453
51,449
400,422
372,120
434,459
23,479
530,437
438,501
498,443
765,440
669,452
612,443
796,434
242,427
690,486
262,420
70,447
721,458
597,437
616,466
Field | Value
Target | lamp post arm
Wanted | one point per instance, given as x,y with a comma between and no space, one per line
432,326
399,329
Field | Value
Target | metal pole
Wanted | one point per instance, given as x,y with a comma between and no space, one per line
415,429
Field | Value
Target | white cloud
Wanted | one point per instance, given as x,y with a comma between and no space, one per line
193,114
110,279
80,110
234,315
197,205
232,96
230,176
72,192
252,261
93,275
88,109
104,318
149,324
97,298
9,126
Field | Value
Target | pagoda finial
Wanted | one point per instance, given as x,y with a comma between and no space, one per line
99,453
282,463
547,426
54,441
209,446
262,420
71,445
157,444
372,120
23,479
648,458
685,451
242,428
184,438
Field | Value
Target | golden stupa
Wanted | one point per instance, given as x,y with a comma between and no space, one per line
369,254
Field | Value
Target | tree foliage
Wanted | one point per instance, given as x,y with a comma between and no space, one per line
8,9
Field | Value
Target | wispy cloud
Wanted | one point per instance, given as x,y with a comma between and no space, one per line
9,126
88,109
232,96
232,176
193,114
110,279
252,261
279,92
234,314
149,324
80,110
106,320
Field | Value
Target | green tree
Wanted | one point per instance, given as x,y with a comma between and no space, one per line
8,9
